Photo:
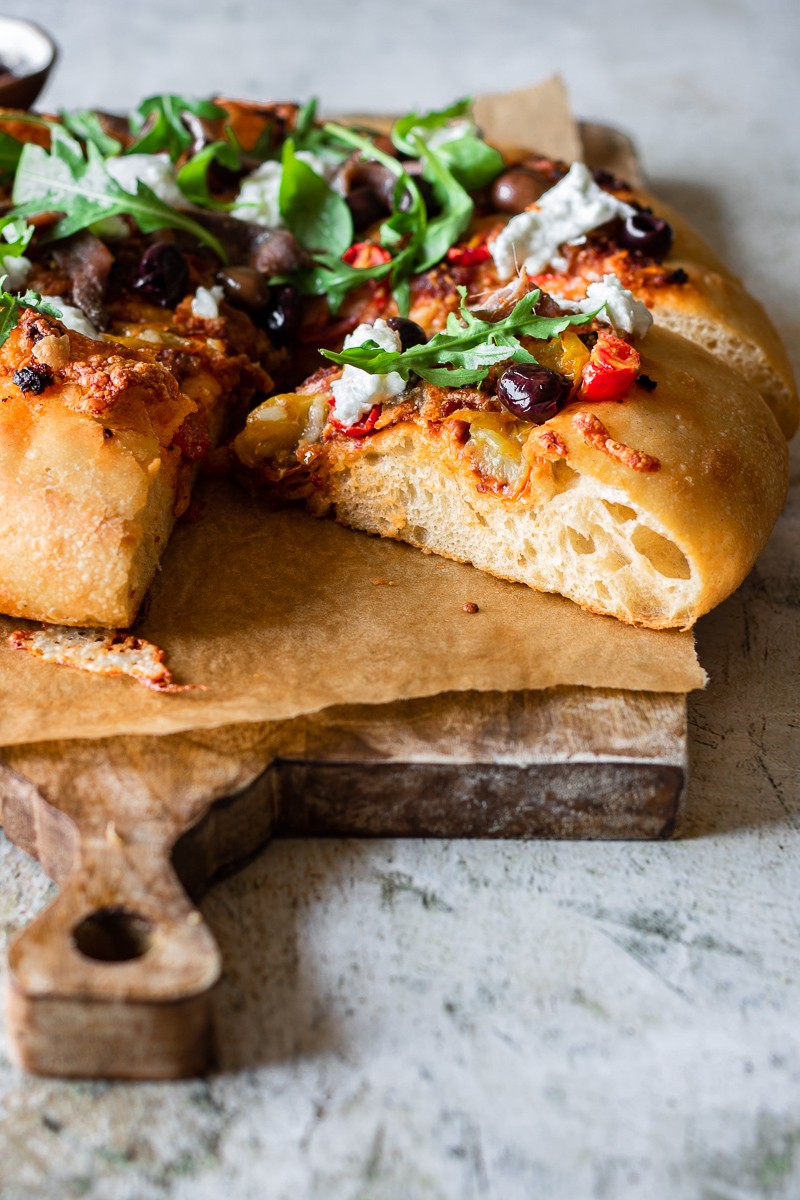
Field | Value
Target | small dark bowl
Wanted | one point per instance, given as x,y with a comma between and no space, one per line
28,54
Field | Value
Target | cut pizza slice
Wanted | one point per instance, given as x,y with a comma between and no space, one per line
640,480
99,444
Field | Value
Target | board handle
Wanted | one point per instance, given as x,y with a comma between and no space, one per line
114,977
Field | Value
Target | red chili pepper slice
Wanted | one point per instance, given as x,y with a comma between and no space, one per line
365,254
361,428
468,256
612,367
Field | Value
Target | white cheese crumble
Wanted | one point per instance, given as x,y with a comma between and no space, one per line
16,268
73,318
156,170
259,195
205,302
565,213
622,310
357,391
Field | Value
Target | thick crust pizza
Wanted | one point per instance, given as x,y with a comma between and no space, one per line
493,356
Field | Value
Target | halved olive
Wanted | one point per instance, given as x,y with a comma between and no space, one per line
532,392
648,233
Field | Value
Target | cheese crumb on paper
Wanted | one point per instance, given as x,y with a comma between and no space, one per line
102,652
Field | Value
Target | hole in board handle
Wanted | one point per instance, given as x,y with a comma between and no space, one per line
113,934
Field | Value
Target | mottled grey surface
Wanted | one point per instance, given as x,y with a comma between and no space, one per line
503,1021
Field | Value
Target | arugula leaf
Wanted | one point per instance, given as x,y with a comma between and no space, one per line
469,344
457,209
316,215
427,121
10,152
159,123
17,235
405,228
11,307
332,277
192,178
304,124
83,191
85,124
471,161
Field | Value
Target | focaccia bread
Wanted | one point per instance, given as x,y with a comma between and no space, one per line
98,448
201,253
651,510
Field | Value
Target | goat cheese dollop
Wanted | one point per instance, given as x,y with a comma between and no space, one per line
73,318
156,170
565,213
356,392
622,310
205,302
16,268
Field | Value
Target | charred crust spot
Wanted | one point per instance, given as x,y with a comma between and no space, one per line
649,385
678,276
35,379
107,433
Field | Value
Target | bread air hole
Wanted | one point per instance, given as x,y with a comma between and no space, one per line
662,554
579,543
620,512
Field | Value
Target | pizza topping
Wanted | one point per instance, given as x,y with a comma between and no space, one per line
358,391
564,214
101,651
13,307
651,235
469,344
72,317
81,189
612,367
87,262
154,170
14,265
35,378
613,304
595,434
259,199
163,276
518,188
245,287
411,334
205,302
532,392
282,316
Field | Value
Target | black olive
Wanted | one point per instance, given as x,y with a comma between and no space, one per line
163,274
517,188
34,378
648,233
411,334
532,392
245,287
365,207
282,314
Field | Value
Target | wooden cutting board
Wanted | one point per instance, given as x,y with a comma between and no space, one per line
115,978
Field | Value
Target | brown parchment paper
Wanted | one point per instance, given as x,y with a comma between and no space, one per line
278,614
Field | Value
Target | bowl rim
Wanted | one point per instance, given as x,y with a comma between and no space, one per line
28,67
